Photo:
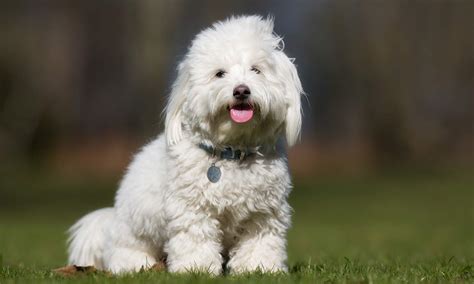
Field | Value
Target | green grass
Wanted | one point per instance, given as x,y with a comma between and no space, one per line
415,228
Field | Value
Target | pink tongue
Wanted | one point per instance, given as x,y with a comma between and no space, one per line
241,115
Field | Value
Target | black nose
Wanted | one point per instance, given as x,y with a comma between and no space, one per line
241,92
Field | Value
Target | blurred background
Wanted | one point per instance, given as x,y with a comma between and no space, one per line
388,121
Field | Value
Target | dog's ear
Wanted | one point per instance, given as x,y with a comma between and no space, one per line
293,92
174,111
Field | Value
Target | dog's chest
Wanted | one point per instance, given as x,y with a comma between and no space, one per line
248,188
243,187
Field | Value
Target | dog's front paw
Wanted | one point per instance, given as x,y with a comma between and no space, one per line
195,264
254,265
185,256
265,253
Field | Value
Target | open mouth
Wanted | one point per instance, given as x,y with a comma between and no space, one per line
241,113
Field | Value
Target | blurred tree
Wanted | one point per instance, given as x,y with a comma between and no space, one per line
395,77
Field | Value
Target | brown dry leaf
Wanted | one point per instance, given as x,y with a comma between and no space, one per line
71,270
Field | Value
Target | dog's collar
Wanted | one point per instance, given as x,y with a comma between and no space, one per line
227,153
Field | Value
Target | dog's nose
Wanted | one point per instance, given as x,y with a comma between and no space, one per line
241,92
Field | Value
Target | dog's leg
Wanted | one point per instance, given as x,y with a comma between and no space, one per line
194,244
261,247
124,259
125,252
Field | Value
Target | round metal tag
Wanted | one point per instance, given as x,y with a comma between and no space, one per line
214,174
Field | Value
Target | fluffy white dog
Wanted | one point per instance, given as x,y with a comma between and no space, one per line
213,188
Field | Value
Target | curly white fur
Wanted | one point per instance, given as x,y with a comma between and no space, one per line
166,207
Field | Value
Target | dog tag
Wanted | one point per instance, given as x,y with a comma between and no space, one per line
214,173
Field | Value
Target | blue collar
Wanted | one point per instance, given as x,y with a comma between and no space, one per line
227,153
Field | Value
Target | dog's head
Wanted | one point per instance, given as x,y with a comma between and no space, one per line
236,87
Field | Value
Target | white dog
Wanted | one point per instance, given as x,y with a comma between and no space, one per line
212,189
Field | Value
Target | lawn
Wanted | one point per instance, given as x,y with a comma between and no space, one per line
407,228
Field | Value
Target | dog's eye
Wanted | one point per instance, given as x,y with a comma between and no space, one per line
220,74
254,69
